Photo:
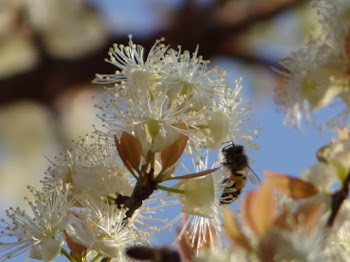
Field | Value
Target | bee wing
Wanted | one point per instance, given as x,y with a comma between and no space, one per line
253,178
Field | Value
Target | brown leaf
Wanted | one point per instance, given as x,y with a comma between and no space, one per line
258,209
233,230
291,186
170,155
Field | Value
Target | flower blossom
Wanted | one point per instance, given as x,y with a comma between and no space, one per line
113,231
200,198
42,233
333,165
318,73
152,97
90,165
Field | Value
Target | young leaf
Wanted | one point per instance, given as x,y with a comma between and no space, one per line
131,149
233,230
171,154
125,153
258,209
291,186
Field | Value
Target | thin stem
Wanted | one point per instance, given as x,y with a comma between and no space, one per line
67,255
159,177
194,175
169,189
152,162
338,199
96,258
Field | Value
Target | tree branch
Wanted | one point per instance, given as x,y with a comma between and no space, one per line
338,199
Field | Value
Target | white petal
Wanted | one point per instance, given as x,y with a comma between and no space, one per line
199,197
51,248
166,137
321,175
78,231
35,252
107,247
98,178
219,126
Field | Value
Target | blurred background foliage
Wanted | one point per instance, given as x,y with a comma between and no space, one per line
50,51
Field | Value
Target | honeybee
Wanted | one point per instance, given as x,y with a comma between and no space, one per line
236,161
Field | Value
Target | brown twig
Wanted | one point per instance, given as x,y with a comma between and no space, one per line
52,76
143,190
338,199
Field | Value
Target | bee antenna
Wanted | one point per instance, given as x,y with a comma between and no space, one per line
254,174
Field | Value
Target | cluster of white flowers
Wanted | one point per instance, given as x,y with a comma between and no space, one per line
318,73
148,99
99,198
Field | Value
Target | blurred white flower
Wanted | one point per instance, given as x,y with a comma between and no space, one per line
315,76
69,29
334,20
297,244
321,175
337,156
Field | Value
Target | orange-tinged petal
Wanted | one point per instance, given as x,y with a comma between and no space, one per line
170,155
233,230
258,209
291,186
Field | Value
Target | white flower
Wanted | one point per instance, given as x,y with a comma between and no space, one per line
318,72
151,98
60,21
333,17
201,205
150,116
337,156
316,76
188,75
238,114
41,234
91,165
338,246
113,231
297,244
135,72
321,175
198,198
